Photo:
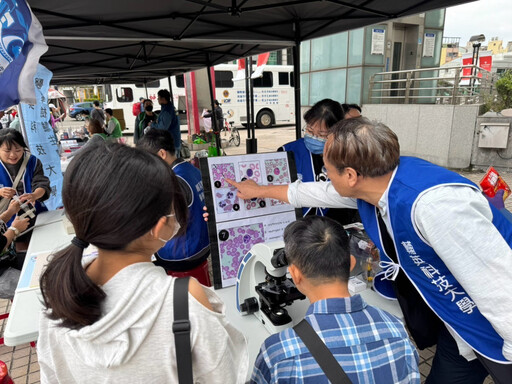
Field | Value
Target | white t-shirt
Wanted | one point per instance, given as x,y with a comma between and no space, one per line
133,341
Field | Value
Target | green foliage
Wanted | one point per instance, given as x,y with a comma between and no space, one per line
93,99
504,88
503,98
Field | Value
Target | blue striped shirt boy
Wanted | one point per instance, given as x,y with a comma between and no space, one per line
371,345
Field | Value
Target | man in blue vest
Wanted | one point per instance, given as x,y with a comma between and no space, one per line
445,249
186,255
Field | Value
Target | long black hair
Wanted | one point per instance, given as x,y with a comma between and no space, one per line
113,194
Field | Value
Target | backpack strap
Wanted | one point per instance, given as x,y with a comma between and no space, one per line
181,330
321,353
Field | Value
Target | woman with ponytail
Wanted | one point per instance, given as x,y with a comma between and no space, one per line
108,317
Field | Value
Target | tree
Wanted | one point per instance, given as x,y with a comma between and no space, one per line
504,88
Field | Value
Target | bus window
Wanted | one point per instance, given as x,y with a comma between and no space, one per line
151,84
223,79
126,95
265,81
292,82
180,81
284,78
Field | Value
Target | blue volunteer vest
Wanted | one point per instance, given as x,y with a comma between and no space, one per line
441,291
305,169
6,180
195,241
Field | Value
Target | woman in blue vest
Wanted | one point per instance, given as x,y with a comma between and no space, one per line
185,255
33,186
308,151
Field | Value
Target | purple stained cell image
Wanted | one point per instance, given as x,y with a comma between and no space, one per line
226,200
220,172
238,243
254,203
278,170
250,170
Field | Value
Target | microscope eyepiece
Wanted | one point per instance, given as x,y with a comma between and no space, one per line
279,258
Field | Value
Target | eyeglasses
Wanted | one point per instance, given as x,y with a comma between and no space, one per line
177,225
311,131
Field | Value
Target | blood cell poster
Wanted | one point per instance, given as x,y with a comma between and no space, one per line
235,225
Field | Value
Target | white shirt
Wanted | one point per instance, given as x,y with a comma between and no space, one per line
456,221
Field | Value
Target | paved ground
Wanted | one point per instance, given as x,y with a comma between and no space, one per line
22,360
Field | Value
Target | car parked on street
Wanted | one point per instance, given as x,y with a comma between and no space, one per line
78,111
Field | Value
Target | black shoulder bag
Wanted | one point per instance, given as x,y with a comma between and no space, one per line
181,330
321,353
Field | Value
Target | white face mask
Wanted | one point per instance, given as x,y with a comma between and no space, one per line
177,227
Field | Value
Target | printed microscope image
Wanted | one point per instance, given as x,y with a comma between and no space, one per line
277,174
234,243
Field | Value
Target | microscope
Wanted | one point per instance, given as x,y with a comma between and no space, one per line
262,287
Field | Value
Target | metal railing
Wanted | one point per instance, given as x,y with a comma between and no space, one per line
467,84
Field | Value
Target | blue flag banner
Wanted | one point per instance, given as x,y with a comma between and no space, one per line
21,45
41,139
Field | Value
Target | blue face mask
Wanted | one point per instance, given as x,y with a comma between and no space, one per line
314,144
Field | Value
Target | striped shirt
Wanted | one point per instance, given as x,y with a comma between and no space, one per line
371,345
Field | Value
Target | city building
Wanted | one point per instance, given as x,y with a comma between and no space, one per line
340,66
450,49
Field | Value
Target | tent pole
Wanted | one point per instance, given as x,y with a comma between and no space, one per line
247,102
170,86
296,82
252,143
216,128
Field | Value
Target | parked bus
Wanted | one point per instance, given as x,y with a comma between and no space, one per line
123,96
273,96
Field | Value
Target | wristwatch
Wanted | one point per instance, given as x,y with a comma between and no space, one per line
15,230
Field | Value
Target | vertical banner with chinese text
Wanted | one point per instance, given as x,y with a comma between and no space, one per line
40,137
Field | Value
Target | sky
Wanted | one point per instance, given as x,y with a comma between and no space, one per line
490,17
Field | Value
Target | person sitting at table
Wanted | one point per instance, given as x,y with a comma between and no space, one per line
308,150
9,234
10,262
371,345
109,316
18,164
186,255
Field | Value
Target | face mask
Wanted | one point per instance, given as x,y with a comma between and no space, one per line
177,227
148,108
314,144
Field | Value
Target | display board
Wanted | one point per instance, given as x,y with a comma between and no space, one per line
235,225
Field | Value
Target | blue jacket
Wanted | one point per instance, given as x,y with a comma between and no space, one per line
427,272
167,119
195,243
305,168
